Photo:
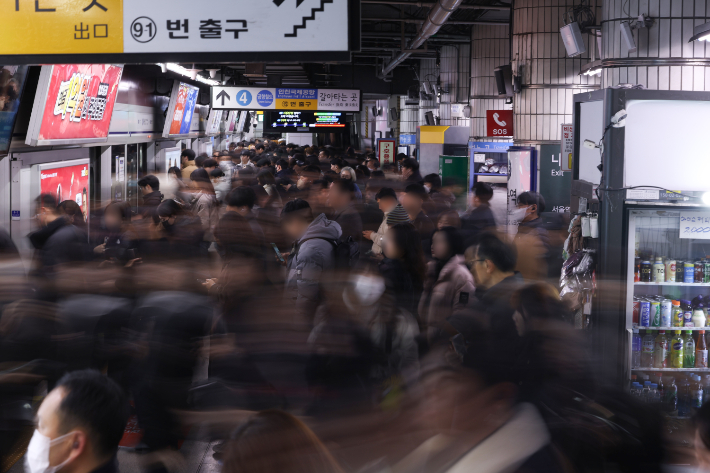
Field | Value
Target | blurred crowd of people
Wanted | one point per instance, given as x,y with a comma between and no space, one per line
311,310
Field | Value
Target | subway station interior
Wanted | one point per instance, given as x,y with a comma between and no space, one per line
354,236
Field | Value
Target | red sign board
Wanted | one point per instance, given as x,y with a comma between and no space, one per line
386,151
67,183
499,123
80,100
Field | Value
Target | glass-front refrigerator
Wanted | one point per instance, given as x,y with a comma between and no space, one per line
668,277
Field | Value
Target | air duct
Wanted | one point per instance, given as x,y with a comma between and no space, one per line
435,20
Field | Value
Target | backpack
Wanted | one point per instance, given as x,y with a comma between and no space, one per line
345,253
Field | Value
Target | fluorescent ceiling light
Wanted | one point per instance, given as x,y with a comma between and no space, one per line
701,33
178,69
592,68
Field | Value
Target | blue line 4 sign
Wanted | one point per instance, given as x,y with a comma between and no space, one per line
285,98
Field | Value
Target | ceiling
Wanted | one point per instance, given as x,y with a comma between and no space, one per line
383,22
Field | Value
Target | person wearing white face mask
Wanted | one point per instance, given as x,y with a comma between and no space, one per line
79,426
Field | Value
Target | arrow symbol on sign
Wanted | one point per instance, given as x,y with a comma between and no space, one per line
222,95
279,2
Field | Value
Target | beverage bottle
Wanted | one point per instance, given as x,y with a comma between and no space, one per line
647,347
653,397
670,270
666,313
689,350
670,396
636,344
706,387
699,271
676,315
660,350
676,350
661,385
698,316
659,270
701,351
696,393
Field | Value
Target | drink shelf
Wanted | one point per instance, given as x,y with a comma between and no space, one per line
673,370
671,283
670,329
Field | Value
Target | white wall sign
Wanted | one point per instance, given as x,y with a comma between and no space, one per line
285,98
235,26
121,169
695,225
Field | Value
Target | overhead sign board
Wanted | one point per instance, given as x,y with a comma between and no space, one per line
499,123
285,98
50,27
74,104
385,150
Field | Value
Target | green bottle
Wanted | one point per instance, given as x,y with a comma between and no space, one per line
689,350
677,350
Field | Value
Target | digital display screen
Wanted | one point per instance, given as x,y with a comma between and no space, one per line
12,81
182,106
304,121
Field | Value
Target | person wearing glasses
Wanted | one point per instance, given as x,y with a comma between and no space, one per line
492,264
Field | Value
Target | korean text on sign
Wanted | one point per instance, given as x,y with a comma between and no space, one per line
695,225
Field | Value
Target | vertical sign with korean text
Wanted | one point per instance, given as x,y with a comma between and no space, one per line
184,108
567,147
386,151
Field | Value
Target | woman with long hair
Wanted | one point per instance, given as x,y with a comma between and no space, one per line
403,267
449,284
276,442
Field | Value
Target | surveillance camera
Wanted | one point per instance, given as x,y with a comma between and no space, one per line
427,87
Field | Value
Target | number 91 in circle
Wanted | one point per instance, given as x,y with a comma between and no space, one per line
143,29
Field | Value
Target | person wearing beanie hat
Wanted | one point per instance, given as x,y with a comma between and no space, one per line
397,215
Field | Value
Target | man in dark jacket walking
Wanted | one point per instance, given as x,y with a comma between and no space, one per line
312,256
480,218
150,187
57,241
342,199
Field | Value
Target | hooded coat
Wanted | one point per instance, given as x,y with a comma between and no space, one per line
312,256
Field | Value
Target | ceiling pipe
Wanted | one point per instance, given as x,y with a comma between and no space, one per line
431,5
436,18
454,22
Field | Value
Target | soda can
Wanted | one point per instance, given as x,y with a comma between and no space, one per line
671,271
707,272
679,271
689,272
646,271
666,308
655,314
637,311
645,314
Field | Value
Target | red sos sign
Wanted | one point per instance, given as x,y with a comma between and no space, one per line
499,123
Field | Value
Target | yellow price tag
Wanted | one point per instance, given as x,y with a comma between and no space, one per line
61,26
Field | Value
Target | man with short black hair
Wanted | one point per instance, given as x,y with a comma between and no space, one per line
245,160
480,217
210,165
150,187
373,164
387,201
410,171
532,239
341,198
187,161
259,149
200,160
79,426
232,146
312,254
336,165
241,200
413,202
492,263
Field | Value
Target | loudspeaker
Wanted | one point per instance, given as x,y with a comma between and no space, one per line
429,118
504,80
467,111
572,38
394,116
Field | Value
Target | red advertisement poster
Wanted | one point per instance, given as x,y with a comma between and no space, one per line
80,101
67,183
